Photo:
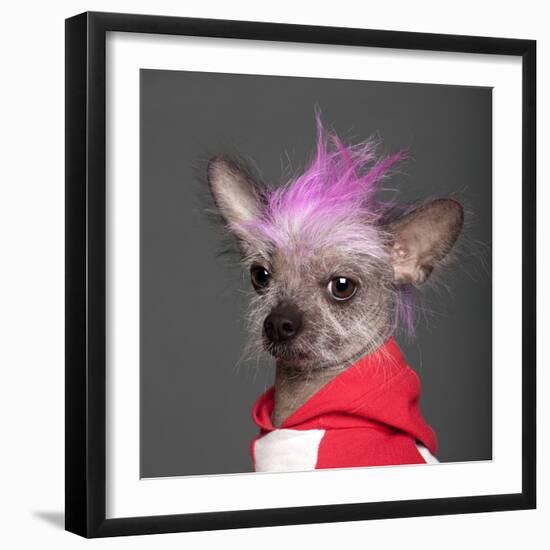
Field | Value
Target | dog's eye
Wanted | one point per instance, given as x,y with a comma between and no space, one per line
342,288
260,277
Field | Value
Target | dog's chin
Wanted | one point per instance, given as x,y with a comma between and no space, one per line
285,353
292,355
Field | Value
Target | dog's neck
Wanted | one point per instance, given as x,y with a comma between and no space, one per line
294,386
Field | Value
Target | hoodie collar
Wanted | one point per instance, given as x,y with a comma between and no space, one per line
378,390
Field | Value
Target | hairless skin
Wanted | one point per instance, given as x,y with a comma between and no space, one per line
329,268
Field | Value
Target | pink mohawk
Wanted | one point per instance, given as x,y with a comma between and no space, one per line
330,202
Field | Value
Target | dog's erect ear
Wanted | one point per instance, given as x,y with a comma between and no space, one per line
423,237
235,193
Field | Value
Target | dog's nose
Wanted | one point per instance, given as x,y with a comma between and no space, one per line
283,323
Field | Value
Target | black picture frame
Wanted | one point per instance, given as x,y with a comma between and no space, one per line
85,491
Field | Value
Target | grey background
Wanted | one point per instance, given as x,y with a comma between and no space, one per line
196,394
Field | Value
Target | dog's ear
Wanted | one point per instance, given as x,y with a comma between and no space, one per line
422,238
235,193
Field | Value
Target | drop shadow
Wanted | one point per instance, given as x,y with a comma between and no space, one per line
55,518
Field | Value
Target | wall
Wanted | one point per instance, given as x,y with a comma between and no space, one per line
31,274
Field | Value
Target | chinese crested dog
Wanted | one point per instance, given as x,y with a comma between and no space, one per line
332,267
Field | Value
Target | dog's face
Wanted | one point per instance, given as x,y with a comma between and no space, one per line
326,267
319,307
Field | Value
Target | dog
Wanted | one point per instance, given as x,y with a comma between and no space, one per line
332,267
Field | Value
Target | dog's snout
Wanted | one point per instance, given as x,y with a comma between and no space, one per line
283,323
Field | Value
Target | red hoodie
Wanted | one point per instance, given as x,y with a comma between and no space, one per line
366,416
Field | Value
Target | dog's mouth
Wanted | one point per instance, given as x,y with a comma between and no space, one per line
285,352
293,354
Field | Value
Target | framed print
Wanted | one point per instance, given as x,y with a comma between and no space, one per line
300,274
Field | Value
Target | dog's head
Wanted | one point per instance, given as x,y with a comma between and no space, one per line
327,264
